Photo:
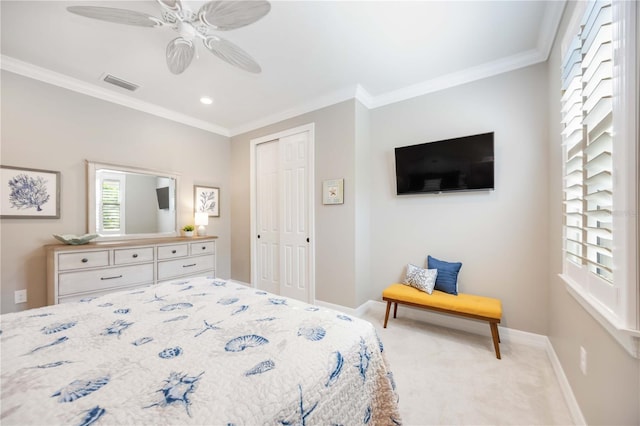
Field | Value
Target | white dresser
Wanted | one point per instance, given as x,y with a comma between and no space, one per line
77,272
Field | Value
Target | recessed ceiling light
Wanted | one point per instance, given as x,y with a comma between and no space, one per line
206,100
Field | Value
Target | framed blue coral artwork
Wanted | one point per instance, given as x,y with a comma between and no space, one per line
206,199
29,193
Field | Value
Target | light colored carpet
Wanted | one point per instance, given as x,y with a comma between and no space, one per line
450,377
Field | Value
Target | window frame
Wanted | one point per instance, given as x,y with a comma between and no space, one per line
623,321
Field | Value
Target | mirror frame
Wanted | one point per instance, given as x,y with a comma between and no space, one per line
92,167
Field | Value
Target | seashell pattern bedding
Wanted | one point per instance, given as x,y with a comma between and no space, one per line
199,351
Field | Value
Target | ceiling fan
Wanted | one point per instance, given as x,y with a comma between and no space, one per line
221,15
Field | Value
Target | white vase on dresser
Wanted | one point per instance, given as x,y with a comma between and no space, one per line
78,272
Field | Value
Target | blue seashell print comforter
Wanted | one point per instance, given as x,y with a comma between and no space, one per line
198,351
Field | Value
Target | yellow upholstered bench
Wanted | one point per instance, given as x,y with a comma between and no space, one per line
465,305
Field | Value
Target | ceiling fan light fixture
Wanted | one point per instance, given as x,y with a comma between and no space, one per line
186,30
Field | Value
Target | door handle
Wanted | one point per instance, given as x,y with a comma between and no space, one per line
258,235
307,239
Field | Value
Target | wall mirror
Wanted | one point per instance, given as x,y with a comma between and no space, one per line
127,202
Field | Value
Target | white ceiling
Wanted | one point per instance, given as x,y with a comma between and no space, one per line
312,53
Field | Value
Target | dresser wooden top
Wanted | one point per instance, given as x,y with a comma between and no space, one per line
128,243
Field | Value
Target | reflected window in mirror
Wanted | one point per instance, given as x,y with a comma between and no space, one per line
111,215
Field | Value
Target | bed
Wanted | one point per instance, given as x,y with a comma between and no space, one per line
196,351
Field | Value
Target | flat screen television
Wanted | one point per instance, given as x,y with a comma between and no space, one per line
163,197
458,164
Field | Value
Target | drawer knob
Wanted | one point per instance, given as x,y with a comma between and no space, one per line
85,260
204,247
135,255
173,251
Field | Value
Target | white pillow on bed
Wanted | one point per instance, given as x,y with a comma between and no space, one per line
420,278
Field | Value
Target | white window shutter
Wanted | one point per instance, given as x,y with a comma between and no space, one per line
588,148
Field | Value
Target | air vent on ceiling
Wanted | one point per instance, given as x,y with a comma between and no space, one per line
120,82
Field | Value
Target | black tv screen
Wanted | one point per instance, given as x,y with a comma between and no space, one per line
459,164
163,197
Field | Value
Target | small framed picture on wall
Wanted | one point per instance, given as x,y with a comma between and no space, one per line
29,193
333,191
206,199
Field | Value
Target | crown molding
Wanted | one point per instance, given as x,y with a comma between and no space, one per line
458,78
364,97
357,92
341,95
549,28
26,69
490,69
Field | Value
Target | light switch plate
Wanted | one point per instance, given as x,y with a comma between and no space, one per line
20,296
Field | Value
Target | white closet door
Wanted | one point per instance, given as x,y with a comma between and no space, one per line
294,223
268,217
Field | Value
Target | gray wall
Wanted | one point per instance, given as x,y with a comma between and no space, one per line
47,127
335,236
499,236
610,391
363,245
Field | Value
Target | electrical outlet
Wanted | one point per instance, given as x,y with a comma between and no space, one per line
20,296
583,360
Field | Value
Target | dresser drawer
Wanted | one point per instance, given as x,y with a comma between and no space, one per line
175,268
133,255
207,247
172,251
83,260
101,279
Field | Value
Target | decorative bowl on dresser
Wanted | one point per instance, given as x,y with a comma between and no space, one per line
90,270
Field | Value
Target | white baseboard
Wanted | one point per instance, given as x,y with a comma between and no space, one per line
567,392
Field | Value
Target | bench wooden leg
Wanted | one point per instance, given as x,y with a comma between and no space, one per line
496,338
395,309
386,316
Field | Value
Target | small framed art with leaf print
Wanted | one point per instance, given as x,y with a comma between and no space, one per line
206,199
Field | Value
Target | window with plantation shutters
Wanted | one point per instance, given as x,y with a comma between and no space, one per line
587,118
599,139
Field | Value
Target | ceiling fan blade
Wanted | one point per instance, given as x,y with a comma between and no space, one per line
231,53
172,5
228,15
119,16
180,53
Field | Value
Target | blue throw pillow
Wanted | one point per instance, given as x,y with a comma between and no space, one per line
447,279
